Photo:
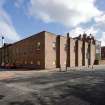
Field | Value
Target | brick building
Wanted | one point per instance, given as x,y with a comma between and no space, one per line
47,50
102,61
103,53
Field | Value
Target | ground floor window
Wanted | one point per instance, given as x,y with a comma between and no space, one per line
38,62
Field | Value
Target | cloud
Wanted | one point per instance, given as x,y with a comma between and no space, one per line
100,22
100,19
94,31
8,32
71,13
79,30
102,39
6,26
18,3
68,12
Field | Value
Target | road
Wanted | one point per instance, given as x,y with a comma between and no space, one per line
75,87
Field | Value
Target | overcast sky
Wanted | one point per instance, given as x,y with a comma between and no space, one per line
22,18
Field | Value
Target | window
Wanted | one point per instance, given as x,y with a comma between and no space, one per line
31,62
54,45
25,62
54,62
65,47
87,55
65,63
38,46
38,62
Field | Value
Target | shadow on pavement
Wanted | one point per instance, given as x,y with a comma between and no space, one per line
93,94
21,103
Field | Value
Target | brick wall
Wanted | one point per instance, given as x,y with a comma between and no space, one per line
78,53
103,53
51,53
63,51
102,62
25,53
72,52
50,50
92,54
86,54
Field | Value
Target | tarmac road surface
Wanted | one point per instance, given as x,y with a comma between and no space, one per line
84,87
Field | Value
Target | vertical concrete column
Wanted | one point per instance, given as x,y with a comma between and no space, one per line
92,53
72,52
85,53
78,53
63,51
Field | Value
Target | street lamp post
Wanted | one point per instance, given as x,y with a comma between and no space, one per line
2,50
2,41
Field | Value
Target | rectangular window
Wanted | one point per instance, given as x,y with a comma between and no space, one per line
54,45
38,62
31,62
65,47
25,62
54,62
38,46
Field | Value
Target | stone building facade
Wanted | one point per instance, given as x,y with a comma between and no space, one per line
46,50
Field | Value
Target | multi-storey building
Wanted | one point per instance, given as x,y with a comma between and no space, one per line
102,61
47,50
103,53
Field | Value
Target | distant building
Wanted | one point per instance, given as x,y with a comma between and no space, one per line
46,50
103,53
102,61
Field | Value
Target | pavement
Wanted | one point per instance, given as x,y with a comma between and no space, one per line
84,86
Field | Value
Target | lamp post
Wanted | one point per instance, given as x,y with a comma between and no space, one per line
2,41
2,50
